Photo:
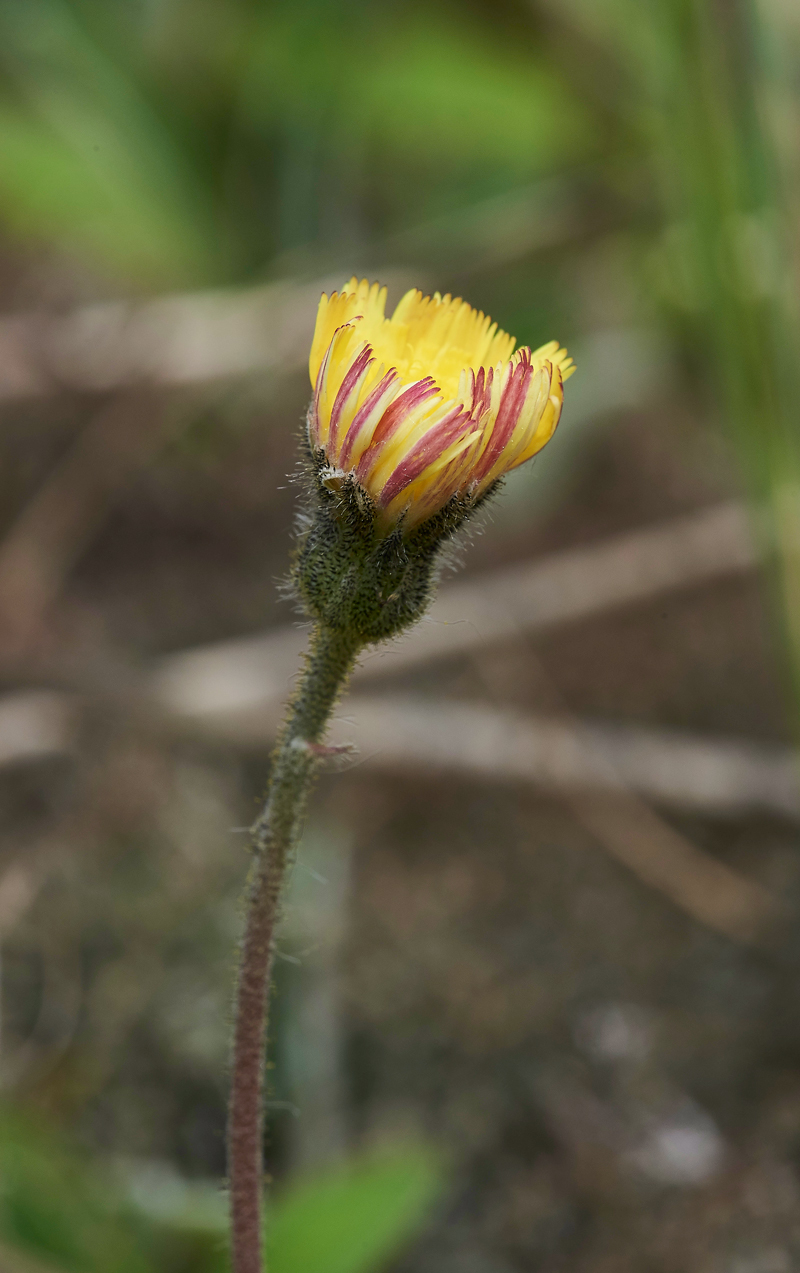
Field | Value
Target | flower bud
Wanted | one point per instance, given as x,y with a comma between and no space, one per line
413,421
428,404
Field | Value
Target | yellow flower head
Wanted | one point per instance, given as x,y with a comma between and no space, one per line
430,403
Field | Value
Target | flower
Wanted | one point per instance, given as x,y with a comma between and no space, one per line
430,403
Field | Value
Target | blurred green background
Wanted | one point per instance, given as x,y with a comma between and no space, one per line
494,1047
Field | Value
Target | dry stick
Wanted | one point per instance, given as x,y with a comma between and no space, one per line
567,586
198,337
61,519
709,891
274,836
636,835
563,753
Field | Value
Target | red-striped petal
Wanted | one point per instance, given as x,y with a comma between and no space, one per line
429,448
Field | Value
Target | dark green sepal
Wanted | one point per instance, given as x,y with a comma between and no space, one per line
353,575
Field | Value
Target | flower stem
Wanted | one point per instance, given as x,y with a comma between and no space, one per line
274,836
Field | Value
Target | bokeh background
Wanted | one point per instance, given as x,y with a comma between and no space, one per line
536,1005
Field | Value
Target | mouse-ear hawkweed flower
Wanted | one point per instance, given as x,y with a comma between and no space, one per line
414,420
429,404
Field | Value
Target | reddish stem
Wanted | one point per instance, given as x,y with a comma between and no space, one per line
275,835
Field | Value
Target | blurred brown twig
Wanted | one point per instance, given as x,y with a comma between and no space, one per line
56,525
253,673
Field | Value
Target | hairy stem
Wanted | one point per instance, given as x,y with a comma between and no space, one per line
274,836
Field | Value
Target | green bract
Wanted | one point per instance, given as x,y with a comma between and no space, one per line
356,578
